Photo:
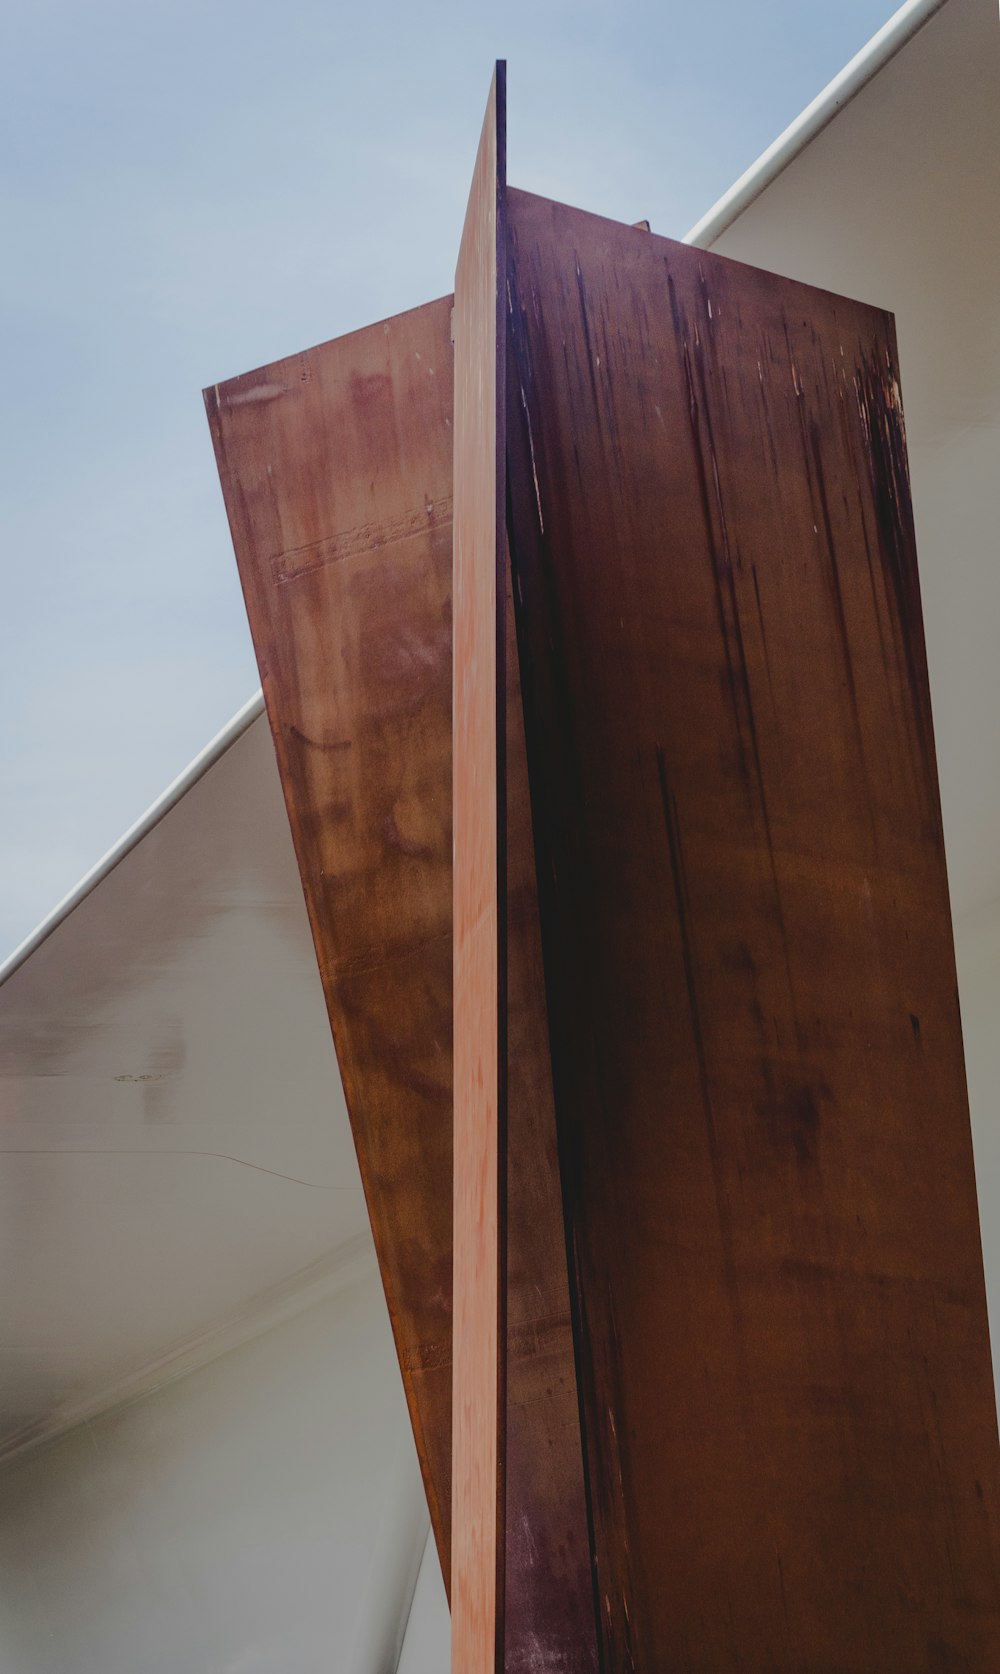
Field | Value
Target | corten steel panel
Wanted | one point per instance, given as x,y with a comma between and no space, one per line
336,468
478,1391
549,1596
336,471
522,1588
781,1324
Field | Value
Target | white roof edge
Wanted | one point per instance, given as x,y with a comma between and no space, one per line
205,759
866,64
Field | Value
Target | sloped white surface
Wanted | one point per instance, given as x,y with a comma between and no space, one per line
263,1516
176,1156
427,1642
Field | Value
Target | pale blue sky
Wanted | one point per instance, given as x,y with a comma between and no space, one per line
193,187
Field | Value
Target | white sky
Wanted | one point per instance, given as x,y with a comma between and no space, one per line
191,188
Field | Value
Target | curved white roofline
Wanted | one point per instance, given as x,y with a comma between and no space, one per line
866,64
205,759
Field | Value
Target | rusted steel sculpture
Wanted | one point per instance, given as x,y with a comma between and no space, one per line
700,1152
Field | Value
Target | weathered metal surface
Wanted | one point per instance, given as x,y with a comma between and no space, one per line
775,1294
779,1308
336,471
522,1594
549,1595
478,1403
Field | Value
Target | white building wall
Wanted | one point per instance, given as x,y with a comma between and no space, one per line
977,948
263,1515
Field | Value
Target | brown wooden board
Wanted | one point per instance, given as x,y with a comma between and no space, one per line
336,466
778,1294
